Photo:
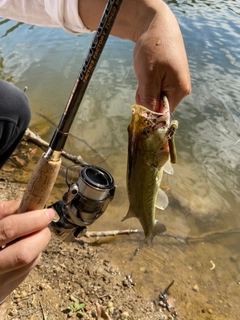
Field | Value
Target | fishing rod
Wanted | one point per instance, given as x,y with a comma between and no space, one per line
95,183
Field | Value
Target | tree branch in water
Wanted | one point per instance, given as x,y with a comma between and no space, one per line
36,139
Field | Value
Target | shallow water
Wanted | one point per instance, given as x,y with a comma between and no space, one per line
204,190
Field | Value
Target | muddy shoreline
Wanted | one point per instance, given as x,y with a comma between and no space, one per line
71,281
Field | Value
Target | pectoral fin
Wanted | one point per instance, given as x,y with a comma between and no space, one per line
168,167
161,200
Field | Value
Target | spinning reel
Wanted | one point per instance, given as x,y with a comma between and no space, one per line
84,202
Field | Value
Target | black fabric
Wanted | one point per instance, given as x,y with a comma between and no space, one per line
14,118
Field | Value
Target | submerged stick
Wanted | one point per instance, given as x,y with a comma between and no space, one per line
91,234
112,233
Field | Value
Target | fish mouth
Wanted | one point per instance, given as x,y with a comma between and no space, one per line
151,118
148,136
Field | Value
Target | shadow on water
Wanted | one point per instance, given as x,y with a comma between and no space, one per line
204,190
13,28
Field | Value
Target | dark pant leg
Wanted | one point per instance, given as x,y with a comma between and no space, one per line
14,118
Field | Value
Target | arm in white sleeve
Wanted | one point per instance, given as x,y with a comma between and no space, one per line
49,13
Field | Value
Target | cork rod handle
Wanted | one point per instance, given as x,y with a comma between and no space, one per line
40,185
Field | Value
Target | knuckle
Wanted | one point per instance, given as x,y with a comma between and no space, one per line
7,230
46,233
27,254
188,89
23,257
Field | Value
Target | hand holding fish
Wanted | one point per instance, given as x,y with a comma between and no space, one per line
160,60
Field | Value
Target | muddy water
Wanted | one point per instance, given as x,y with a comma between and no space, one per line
204,190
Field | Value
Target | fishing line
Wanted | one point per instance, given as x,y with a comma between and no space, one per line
233,146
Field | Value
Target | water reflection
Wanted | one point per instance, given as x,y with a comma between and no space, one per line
204,191
12,29
3,75
199,5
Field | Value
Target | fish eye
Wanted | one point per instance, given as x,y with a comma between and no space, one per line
146,131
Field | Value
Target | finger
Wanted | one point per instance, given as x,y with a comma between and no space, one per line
8,280
5,291
8,207
149,97
23,252
175,93
19,225
175,88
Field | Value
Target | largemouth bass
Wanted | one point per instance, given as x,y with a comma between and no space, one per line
150,137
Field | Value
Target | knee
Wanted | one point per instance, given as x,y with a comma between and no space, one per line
23,111
14,105
15,116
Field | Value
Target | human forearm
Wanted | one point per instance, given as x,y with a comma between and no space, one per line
133,19
160,60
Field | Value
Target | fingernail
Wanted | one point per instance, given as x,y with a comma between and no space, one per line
50,214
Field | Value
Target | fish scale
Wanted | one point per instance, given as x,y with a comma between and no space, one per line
144,205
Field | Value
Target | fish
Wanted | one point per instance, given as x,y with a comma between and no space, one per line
150,138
